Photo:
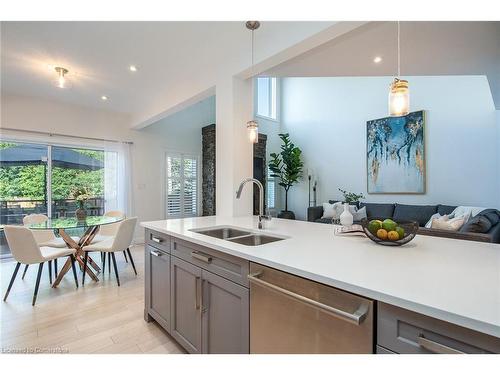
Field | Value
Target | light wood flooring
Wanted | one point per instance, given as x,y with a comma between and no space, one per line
97,318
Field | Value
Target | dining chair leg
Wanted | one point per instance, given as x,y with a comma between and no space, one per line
74,269
116,269
40,268
12,280
131,260
103,260
50,272
55,268
125,255
24,273
85,259
109,263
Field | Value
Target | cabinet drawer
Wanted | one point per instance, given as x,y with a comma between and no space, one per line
407,332
227,266
159,240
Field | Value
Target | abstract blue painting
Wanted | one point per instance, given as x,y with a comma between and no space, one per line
396,154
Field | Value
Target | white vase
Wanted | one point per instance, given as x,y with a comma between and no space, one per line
346,217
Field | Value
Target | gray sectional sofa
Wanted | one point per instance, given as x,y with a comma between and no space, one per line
484,227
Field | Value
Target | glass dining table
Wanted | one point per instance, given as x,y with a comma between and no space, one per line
90,226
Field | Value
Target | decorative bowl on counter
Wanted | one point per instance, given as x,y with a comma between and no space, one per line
388,232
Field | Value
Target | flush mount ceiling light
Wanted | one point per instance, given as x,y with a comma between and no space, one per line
377,59
104,98
132,68
399,91
61,81
252,125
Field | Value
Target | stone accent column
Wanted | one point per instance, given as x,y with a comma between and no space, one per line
208,153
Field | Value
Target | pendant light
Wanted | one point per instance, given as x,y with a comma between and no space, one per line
61,81
252,125
399,91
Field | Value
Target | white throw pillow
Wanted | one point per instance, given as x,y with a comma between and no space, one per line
358,215
435,216
448,224
328,211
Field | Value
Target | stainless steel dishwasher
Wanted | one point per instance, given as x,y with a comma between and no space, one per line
289,314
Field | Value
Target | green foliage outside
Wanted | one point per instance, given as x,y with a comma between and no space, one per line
28,182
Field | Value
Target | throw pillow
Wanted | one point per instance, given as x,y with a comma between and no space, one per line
358,215
435,216
461,210
447,224
328,211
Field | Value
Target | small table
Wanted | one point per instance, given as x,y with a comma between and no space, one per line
91,225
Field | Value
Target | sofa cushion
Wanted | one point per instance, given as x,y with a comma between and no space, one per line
492,215
443,209
418,213
382,210
324,221
478,224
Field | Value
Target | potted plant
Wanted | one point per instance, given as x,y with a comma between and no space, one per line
351,198
81,195
287,167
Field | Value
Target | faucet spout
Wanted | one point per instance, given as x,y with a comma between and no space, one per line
261,197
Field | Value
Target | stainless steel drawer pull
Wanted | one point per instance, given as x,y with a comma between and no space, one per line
436,347
356,318
156,253
200,256
156,239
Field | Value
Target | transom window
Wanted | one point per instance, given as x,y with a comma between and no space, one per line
267,97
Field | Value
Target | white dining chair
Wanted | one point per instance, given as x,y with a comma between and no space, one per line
44,237
120,242
108,231
25,250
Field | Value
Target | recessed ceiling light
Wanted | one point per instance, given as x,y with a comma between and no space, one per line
377,59
132,68
104,97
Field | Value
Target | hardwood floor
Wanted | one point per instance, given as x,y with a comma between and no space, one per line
97,318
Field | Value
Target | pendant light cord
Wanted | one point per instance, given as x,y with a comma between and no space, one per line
399,53
252,50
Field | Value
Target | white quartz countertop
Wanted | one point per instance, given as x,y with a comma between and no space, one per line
453,280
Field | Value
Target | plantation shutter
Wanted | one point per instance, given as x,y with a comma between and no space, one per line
182,185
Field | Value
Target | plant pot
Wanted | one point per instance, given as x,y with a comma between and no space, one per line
286,215
81,214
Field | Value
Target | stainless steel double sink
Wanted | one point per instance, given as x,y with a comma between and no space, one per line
236,235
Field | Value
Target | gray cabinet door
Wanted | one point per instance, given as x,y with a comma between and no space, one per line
158,286
186,304
225,316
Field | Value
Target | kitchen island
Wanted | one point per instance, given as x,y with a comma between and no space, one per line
453,281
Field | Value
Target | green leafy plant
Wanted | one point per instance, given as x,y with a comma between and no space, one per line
81,195
287,165
351,197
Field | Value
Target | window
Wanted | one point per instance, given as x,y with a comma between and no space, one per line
271,190
267,97
182,185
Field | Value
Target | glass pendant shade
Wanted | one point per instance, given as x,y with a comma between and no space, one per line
253,131
61,81
399,98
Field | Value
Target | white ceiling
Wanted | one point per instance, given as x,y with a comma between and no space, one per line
427,48
176,60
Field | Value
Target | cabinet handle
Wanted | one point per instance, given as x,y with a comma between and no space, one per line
356,318
200,256
197,293
156,253
156,239
436,347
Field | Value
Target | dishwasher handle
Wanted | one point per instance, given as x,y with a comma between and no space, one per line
355,318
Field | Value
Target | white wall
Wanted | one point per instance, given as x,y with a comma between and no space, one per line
182,130
29,113
327,117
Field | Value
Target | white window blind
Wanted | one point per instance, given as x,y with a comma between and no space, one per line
271,190
182,185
